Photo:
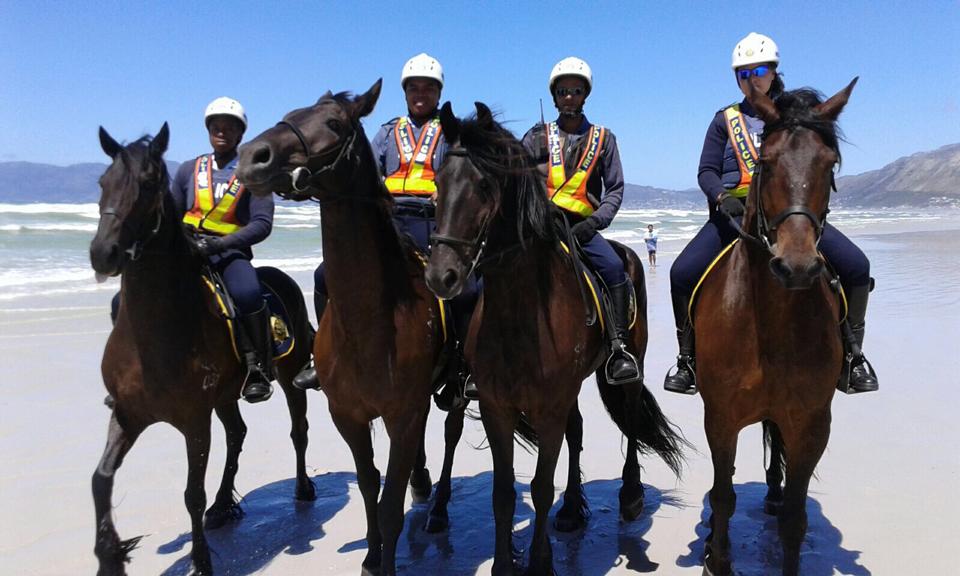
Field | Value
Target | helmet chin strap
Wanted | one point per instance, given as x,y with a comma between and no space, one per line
572,114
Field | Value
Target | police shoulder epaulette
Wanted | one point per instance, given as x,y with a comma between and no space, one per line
391,122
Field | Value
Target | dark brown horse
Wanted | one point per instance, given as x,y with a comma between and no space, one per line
529,343
381,334
170,357
769,347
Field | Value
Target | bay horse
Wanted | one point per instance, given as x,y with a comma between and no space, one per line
170,357
381,333
528,343
769,346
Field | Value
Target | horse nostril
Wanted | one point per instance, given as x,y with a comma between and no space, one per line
449,279
815,269
779,268
262,156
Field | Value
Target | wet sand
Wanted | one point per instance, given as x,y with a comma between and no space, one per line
880,505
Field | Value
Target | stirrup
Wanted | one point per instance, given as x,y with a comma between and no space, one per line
670,381
255,398
844,384
622,352
307,378
470,391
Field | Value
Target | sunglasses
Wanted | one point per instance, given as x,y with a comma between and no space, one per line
759,72
563,92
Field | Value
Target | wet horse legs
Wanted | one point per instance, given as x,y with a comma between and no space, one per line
406,436
357,435
110,550
224,507
573,515
297,406
499,425
773,439
541,488
805,444
437,520
420,482
723,500
195,496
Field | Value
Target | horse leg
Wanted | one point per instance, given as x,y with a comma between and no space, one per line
437,520
723,500
406,438
225,508
357,435
804,446
499,425
773,439
631,493
112,553
541,488
573,514
195,496
297,406
420,482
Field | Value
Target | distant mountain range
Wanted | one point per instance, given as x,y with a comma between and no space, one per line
925,179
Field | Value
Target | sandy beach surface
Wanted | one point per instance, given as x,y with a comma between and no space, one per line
881,503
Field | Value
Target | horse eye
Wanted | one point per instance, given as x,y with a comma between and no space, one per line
334,124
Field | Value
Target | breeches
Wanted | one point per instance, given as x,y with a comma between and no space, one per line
605,260
241,281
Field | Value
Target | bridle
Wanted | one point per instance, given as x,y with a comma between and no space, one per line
765,227
463,247
302,178
136,249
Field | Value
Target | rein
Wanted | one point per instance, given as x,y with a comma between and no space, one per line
301,177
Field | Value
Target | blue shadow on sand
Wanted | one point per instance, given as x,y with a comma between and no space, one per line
275,523
606,544
755,544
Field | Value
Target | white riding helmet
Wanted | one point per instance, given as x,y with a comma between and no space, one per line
422,66
224,106
572,66
755,49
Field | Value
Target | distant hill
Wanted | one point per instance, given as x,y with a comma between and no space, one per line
922,179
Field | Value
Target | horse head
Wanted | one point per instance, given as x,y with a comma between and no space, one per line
131,200
789,201
310,144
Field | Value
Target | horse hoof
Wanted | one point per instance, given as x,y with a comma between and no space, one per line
436,524
306,491
420,486
218,516
569,522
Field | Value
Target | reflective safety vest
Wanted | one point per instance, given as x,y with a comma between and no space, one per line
743,149
571,193
219,218
415,174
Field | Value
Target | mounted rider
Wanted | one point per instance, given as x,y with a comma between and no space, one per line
727,164
584,177
409,151
227,222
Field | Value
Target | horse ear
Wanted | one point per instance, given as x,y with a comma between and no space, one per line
484,116
832,108
109,145
449,124
364,103
327,94
159,143
763,105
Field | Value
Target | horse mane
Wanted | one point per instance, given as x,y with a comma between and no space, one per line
495,151
797,108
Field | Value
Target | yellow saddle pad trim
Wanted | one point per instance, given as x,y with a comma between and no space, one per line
278,328
724,252
596,297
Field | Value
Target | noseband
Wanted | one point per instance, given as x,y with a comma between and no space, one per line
301,177
136,249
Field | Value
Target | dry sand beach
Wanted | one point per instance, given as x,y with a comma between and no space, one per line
881,504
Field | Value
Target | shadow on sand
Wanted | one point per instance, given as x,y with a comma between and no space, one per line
755,544
275,523
604,545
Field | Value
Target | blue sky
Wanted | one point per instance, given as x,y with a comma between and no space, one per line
661,68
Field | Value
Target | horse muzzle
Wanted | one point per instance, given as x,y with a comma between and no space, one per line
796,273
258,167
106,258
444,274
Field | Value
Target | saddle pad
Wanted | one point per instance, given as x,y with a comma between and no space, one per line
696,289
283,339
596,288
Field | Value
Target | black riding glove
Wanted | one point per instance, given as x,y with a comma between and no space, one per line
731,206
585,230
208,245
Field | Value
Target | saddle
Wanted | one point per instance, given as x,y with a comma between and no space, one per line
832,279
280,319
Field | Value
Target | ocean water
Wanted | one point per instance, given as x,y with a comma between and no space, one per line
44,247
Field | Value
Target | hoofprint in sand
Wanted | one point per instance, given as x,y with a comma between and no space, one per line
881,503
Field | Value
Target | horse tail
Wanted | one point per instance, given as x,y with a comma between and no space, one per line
637,414
773,445
524,434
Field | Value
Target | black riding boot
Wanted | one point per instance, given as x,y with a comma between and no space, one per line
684,380
857,375
622,367
307,378
257,350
